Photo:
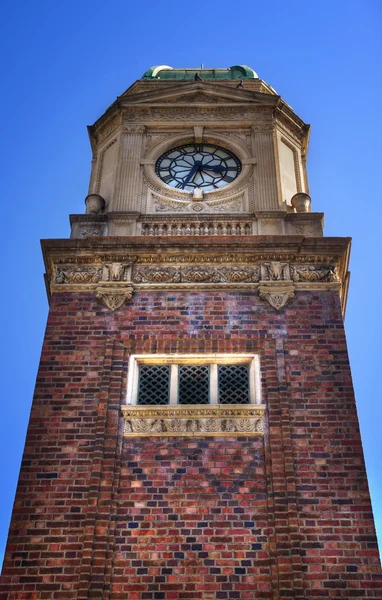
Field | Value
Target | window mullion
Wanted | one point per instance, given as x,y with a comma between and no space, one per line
214,391
174,384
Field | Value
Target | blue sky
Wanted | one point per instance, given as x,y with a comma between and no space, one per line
64,63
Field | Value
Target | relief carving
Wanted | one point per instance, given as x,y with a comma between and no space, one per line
314,273
114,271
240,274
308,230
188,114
167,205
276,296
114,299
156,275
91,231
197,274
200,274
193,420
276,271
78,275
133,128
162,206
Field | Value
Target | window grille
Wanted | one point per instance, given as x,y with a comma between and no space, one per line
154,384
233,384
193,384
192,379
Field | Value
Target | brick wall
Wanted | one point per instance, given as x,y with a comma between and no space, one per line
284,516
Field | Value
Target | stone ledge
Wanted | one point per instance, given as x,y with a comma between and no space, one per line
193,420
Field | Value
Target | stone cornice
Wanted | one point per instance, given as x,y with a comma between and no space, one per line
114,268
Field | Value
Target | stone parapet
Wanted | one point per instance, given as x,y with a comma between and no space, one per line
200,224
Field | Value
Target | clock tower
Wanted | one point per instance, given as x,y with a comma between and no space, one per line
193,433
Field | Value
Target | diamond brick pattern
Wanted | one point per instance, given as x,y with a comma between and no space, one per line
284,516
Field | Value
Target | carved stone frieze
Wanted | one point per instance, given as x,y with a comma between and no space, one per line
314,273
133,128
187,114
263,128
162,205
79,275
241,274
201,274
156,275
197,274
277,296
198,420
114,298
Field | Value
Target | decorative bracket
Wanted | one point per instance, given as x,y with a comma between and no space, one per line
114,298
277,295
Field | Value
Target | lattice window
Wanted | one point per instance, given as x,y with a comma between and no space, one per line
154,384
194,379
233,381
193,384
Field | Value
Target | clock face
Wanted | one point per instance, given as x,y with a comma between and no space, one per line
198,165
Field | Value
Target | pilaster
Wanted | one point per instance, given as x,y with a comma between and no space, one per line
265,174
128,180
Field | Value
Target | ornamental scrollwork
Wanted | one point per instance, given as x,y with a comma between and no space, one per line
197,274
156,275
314,273
201,274
78,275
241,274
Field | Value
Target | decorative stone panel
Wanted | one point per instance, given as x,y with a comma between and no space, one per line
198,420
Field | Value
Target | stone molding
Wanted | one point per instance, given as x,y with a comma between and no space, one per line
193,420
272,279
273,271
121,265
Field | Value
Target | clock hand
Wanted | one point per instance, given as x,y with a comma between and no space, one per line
191,174
216,168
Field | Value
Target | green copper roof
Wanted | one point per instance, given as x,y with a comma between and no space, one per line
164,72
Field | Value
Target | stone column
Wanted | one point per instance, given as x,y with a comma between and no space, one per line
93,175
129,174
265,173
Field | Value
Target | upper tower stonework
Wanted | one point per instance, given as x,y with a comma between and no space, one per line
146,177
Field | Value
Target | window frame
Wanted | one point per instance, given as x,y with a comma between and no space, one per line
174,360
